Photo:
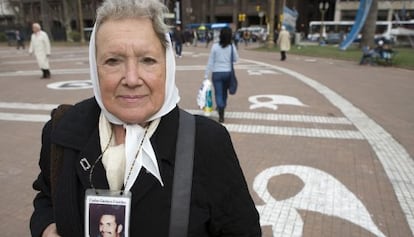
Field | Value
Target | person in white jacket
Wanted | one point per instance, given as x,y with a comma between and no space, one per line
284,42
40,47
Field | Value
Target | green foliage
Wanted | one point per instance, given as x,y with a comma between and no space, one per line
75,36
404,58
3,37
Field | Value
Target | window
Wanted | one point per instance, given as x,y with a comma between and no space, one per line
224,2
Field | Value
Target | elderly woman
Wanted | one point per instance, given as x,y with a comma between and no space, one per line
124,138
40,47
283,40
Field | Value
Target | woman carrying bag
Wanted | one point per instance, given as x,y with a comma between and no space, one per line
222,56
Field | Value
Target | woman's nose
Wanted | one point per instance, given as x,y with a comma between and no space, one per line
132,75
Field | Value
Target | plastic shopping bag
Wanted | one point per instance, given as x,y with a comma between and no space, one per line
205,98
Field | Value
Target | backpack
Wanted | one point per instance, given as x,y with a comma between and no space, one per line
56,151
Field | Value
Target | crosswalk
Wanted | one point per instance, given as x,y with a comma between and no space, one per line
250,117
240,122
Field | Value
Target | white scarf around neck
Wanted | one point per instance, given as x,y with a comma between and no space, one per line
118,165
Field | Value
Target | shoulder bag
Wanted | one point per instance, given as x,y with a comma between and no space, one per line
233,80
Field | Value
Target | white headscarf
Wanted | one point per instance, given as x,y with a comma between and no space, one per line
134,132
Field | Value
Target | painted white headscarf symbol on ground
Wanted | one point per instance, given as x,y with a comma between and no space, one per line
271,101
321,193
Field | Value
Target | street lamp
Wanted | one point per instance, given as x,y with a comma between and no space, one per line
261,15
323,7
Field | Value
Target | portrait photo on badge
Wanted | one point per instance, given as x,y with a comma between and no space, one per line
107,215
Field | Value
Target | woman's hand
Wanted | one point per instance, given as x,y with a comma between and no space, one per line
50,231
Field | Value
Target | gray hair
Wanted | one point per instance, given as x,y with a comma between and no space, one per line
124,9
37,25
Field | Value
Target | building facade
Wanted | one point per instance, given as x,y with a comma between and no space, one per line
242,13
387,10
56,16
256,12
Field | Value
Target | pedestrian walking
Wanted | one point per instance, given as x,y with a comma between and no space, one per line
246,37
195,37
209,37
179,40
129,142
19,40
219,63
283,41
236,39
40,47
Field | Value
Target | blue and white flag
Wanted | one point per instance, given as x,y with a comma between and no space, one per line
290,17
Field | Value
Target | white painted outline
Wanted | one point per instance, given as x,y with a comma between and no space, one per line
321,193
397,163
271,101
76,85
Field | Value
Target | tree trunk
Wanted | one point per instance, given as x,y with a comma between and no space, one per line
368,31
45,17
67,19
271,14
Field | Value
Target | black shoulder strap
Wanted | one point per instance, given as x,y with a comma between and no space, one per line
231,57
183,173
56,152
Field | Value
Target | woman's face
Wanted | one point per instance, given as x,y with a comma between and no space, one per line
131,69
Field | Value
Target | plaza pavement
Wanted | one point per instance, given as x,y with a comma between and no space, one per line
326,145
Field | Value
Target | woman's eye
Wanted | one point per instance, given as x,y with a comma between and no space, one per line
112,61
149,61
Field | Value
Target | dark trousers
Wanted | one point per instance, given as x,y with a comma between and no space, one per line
283,55
20,44
178,48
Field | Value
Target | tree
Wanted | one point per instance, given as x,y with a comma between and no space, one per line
67,8
271,14
368,31
45,17
17,7
80,21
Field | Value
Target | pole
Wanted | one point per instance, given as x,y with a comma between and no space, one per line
270,40
323,7
82,33
322,27
282,13
177,10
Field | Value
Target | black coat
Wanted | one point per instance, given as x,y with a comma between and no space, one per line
220,200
